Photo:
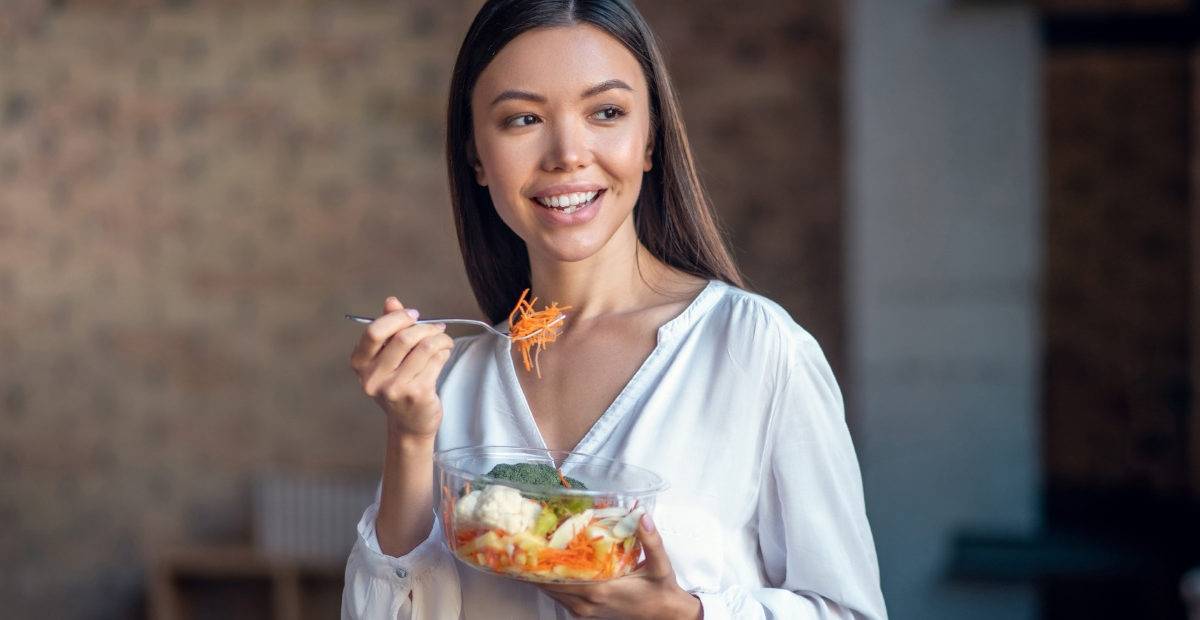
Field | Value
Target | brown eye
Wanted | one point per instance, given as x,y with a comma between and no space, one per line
611,113
523,120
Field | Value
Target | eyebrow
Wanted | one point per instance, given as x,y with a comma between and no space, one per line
524,95
603,86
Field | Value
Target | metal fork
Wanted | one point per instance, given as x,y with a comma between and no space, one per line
472,322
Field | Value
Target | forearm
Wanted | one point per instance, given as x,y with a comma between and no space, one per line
406,499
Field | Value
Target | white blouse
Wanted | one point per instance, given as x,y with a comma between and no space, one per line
737,409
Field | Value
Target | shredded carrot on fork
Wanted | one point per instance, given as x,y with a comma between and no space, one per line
543,322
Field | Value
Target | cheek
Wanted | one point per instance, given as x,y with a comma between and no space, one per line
499,161
624,154
507,170
511,214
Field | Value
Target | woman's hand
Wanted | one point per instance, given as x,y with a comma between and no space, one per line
649,592
398,363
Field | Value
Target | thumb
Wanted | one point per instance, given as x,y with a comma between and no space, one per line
656,564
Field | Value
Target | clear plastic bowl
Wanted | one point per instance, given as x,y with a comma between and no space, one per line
544,534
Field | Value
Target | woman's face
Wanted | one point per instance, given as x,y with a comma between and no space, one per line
561,122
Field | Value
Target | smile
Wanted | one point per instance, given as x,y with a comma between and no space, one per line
569,203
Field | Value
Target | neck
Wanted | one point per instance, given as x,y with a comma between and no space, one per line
621,277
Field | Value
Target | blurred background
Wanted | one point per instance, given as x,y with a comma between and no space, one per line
983,209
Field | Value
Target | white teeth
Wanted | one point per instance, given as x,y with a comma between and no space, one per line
569,203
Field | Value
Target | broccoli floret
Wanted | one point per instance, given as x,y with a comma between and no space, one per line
543,475
533,474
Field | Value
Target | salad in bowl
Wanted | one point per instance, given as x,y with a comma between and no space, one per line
543,515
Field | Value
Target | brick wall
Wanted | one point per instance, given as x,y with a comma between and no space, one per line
1117,269
1118,391
192,193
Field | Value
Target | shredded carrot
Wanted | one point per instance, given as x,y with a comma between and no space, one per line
579,556
562,478
544,322
465,536
582,559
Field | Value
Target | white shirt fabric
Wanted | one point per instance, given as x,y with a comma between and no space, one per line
737,408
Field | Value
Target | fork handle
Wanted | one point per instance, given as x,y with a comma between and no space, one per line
455,322
367,320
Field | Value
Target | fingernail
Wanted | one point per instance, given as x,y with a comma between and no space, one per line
413,312
393,299
647,523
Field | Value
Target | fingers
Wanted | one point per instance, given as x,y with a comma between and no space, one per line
579,606
418,389
405,356
404,343
586,591
377,334
427,378
422,361
656,564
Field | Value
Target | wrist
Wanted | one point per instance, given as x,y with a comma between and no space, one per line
407,443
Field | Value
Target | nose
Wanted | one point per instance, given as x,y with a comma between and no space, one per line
569,148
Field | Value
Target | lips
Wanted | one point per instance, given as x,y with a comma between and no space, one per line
570,208
570,202
563,189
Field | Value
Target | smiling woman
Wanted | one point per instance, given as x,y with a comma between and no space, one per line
604,91
576,126
571,176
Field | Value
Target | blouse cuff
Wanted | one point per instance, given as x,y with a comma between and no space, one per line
417,565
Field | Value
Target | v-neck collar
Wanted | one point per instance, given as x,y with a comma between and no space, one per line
667,334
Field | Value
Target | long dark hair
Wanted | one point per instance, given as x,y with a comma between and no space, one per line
673,216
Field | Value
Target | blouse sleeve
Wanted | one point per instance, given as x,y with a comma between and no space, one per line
421,584
813,534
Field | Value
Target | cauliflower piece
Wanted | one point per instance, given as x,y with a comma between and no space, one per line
504,508
464,509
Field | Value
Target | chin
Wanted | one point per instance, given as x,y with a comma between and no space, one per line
572,255
570,251
572,246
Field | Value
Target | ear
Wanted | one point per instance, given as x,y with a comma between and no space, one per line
473,157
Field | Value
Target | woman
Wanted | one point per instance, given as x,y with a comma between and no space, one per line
571,174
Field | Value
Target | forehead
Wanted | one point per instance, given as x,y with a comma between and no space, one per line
560,61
